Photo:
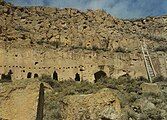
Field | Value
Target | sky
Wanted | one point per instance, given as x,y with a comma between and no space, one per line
125,9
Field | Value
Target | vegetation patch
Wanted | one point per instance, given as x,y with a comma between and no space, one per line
127,89
121,50
161,48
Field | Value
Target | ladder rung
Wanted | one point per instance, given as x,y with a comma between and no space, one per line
149,67
148,63
152,74
150,70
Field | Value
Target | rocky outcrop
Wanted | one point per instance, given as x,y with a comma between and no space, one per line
18,100
101,105
150,87
72,27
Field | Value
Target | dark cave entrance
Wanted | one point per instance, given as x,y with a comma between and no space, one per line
77,77
98,75
55,75
29,75
35,75
8,76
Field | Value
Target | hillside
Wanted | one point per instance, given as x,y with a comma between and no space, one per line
109,99
94,37
92,60
73,28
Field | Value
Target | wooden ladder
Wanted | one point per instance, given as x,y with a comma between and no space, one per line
148,62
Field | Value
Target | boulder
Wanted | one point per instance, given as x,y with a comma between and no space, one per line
101,105
150,87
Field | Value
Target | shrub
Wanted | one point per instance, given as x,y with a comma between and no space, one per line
40,42
55,43
161,48
48,79
45,77
120,49
21,29
94,48
151,94
52,108
154,37
53,100
142,79
127,90
154,114
160,78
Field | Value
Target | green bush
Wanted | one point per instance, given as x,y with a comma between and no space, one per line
55,44
120,49
40,42
48,79
53,100
126,88
154,114
21,29
154,37
94,48
161,48
45,78
160,78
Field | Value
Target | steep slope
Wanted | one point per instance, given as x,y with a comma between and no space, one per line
90,32
72,27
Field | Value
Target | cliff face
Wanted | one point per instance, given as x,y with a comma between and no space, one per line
91,38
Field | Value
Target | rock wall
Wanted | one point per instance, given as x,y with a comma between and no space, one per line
41,40
24,61
18,100
66,64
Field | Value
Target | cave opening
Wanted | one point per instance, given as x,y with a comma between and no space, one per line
8,76
55,75
35,75
77,77
99,75
29,75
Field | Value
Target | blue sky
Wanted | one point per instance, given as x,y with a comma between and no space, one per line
118,8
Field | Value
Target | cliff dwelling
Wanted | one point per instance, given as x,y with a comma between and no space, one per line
76,45
62,65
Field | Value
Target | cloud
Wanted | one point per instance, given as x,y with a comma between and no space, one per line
118,8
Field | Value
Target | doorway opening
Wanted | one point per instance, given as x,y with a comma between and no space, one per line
77,77
29,75
35,75
99,75
55,75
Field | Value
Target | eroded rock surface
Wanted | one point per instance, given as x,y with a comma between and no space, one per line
18,100
43,40
101,105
